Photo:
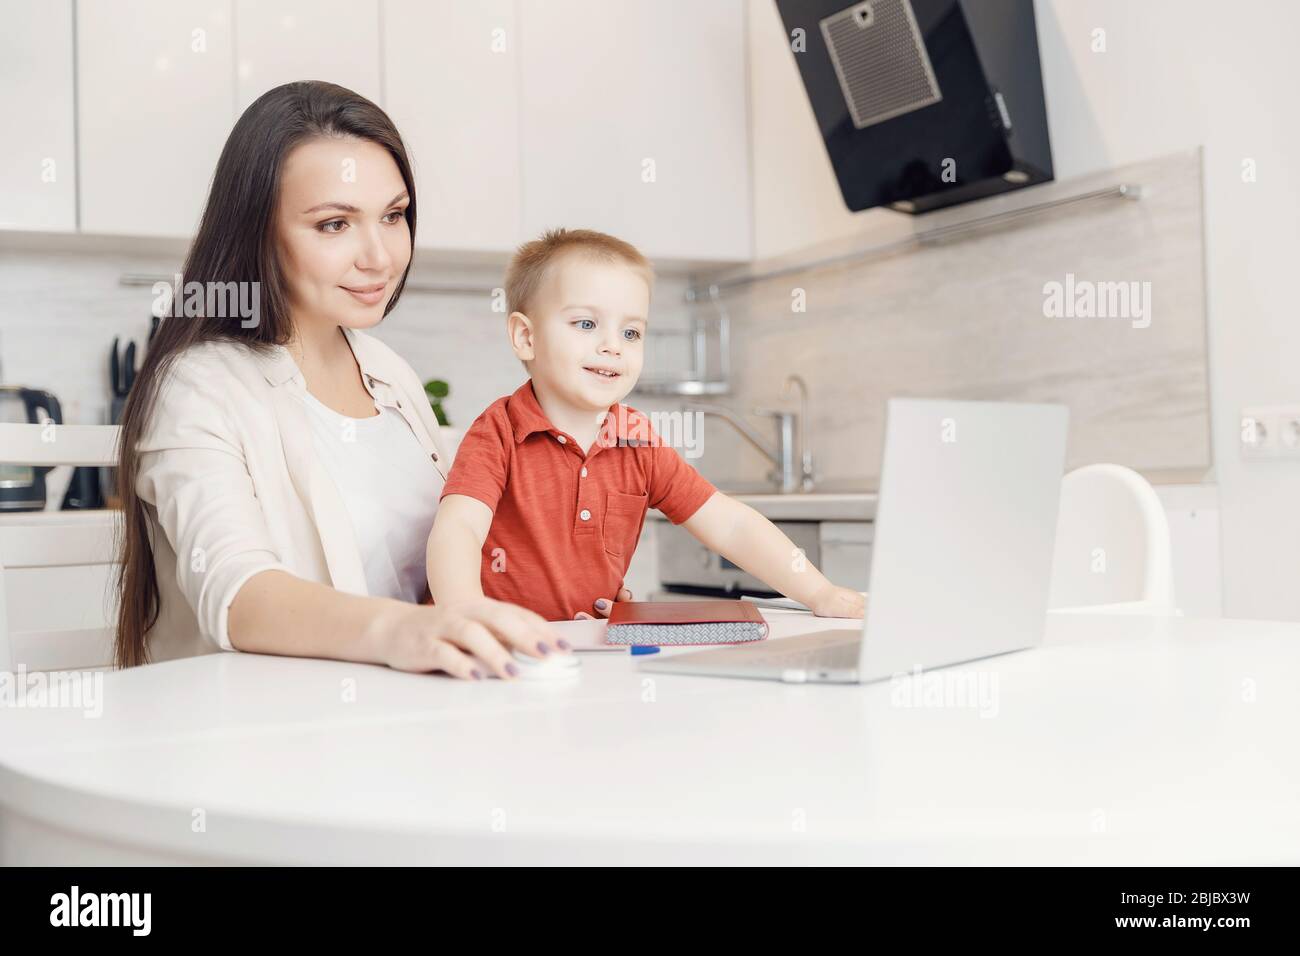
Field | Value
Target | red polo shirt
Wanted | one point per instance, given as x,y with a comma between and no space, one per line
565,523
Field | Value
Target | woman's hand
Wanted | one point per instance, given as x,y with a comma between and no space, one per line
833,601
468,640
603,606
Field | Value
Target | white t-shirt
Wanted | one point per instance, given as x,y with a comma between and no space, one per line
391,490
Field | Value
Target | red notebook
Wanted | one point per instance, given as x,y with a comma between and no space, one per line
669,623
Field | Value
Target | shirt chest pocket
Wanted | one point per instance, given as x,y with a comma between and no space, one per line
622,525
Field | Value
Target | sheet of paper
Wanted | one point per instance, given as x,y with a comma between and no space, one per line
584,635
775,603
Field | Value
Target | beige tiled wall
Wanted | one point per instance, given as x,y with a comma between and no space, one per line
965,319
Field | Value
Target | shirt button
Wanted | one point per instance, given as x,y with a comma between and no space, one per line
561,439
583,473
584,514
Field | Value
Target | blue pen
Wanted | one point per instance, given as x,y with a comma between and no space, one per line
644,649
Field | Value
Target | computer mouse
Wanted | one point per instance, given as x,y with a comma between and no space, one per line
551,667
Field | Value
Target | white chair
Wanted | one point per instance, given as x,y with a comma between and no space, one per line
1112,544
56,611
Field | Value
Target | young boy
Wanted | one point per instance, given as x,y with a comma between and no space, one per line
550,486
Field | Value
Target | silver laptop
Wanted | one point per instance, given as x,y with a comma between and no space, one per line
962,562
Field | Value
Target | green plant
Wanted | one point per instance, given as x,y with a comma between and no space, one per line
436,389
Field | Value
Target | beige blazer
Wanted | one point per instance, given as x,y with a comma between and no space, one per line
232,486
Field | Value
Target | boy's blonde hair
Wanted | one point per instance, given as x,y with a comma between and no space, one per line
532,261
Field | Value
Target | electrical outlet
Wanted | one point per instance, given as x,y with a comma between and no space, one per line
1257,428
1270,432
1288,433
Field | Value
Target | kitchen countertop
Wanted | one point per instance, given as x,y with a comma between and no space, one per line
811,506
856,505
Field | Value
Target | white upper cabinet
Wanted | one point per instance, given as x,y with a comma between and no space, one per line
451,85
628,116
38,167
281,41
634,121
155,84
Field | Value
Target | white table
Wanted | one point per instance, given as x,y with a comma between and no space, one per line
1121,740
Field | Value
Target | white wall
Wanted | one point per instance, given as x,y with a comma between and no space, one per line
1175,73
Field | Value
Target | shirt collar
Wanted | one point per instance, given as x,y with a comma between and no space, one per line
278,366
372,370
527,418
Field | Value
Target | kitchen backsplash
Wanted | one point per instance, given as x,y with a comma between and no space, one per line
1016,312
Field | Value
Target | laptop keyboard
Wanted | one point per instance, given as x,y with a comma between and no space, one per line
820,656
833,657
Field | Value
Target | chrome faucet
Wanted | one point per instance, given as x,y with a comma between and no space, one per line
806,476
789,437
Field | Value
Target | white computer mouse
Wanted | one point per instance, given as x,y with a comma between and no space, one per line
551,667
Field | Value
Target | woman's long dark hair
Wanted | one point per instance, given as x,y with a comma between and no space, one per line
235,243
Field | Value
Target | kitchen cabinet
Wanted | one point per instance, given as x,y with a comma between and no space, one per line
633,120
451,86
38,172
155,87
668,557
628,116
280,41
845,552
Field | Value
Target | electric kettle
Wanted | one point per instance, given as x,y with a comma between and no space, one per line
22,487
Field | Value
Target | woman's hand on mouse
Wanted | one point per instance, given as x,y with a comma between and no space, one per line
603,606
467,640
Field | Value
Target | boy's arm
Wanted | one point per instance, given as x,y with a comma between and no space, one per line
453,558
743,536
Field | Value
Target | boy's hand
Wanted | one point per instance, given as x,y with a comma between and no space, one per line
603,606
832,601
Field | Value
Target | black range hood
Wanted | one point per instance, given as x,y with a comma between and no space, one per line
924,103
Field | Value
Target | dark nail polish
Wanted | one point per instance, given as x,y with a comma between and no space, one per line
543,647
564,645
512,670
476,674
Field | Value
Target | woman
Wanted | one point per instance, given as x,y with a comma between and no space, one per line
280,470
